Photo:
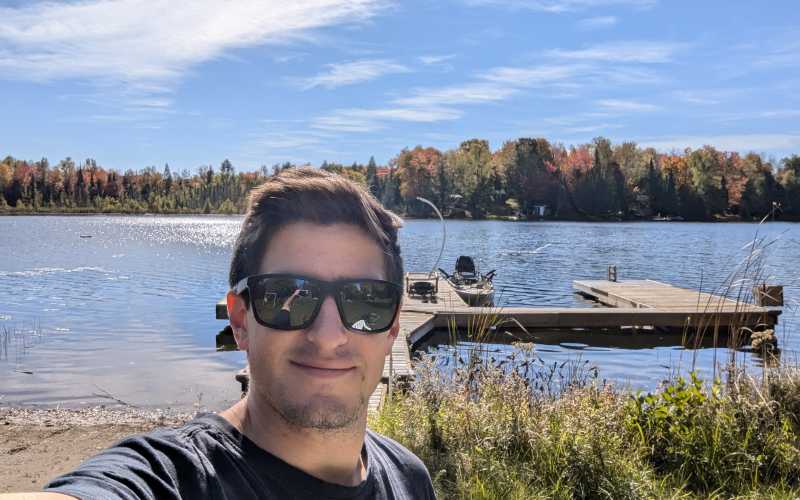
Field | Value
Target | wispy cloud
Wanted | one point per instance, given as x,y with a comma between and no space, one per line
627,106
368,120
692,97
435,59
150,45
562,5
623,52
459,94
535,76
504,83
742,143
593,128
574,75
364,70
597,22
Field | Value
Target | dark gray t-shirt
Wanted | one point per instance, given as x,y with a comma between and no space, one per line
208,458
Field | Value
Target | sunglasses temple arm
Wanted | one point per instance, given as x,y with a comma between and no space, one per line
240,286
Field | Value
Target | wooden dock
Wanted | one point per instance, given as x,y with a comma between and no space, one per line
412,325
665,302
635,303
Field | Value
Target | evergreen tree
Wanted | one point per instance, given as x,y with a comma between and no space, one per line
209,176
167,179
371,174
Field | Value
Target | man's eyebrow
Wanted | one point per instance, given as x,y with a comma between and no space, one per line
339,278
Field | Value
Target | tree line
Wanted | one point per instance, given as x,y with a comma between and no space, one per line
596,180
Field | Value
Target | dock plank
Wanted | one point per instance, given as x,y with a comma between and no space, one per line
664,302
652,294
412,325
376,399
570,318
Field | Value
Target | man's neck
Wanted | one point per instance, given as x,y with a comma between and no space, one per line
333,456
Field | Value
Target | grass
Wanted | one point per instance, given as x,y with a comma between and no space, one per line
516,429
521,429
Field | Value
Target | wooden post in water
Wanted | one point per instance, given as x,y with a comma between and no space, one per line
391,369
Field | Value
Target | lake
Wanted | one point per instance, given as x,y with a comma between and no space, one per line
129,312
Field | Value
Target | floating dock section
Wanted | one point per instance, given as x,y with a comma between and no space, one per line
671,306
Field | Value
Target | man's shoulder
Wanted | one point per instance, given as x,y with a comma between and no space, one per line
390,447
150,463
202,431
397,465
204,426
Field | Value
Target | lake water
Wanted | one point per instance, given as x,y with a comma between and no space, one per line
130,311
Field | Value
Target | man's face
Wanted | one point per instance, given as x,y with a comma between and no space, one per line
320,377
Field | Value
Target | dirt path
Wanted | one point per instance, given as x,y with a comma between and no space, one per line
37,445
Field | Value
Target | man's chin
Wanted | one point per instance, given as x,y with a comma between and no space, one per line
320,412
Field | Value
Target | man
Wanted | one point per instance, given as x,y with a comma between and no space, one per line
315,302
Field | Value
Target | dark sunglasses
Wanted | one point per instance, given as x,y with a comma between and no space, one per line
290,302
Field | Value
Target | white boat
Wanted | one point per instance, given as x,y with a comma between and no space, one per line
474,288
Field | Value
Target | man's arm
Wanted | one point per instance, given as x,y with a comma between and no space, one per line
42,495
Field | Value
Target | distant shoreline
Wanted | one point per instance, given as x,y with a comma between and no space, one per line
408,217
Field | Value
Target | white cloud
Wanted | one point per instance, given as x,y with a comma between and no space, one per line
778,113
459,94
597,22
623,52
627,106
536,76
692,97
569,76
435,59
743,143
368,120
349,73
562,5
150,44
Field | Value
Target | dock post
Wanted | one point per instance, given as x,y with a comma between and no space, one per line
611,273
391,369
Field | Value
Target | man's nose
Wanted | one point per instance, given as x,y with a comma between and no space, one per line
327,331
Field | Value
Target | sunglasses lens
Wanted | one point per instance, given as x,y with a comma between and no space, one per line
284,302
369,305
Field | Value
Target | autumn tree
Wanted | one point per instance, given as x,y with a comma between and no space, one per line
417,172
470,169
790,182
707,176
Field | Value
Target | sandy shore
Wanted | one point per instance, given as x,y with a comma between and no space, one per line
37,445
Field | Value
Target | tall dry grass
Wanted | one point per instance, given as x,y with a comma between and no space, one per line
488,431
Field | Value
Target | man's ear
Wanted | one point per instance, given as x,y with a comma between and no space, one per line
394,331
236,315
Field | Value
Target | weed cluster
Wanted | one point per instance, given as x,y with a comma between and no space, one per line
520,430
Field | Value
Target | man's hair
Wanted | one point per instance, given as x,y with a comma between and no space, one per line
308,194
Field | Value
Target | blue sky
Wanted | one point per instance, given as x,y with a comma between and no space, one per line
133,83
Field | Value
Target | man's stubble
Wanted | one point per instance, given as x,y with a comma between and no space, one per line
334,414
